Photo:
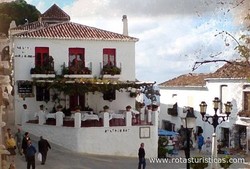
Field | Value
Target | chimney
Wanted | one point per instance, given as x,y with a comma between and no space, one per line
125,25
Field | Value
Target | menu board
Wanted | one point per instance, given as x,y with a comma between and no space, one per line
25,87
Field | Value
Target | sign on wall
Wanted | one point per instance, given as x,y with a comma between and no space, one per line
25,88
144,132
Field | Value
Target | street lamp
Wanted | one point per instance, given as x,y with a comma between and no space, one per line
189,124
215,121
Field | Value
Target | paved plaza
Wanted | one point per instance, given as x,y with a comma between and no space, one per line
60,158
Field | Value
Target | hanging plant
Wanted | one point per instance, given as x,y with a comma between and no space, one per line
112,70
133,94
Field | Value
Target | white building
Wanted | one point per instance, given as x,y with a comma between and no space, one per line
228,83
58,62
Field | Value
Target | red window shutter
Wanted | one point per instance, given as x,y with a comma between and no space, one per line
41,55
73,53
109,56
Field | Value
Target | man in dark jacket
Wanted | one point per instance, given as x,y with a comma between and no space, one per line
141,155
30,155
43,147
25,140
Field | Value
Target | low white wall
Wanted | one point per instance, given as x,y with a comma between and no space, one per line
120,141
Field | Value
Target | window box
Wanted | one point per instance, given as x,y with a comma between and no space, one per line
41,70
107,76
79,70
78,76
111,70
43,75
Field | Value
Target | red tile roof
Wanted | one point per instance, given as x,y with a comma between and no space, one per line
70,30
55,13
232,70
31,26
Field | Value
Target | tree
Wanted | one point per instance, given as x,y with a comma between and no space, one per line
19,11
242,44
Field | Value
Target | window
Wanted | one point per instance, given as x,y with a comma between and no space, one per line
77,100
167,125
247,101
76,57
109,58
109,95
42,93
41,56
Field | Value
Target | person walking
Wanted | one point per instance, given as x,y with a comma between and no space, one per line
25,114
18,137
25,140
141,155
208,144
30,154
43,147
11,146
200,142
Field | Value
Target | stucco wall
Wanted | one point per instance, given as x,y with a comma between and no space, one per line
186,96
24,59
120,141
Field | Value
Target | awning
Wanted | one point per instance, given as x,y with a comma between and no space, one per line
244,121
162,132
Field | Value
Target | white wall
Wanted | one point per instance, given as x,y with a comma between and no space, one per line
24,60
99,140
192,96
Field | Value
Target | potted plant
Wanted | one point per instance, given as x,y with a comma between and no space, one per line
105,108
133,94
225,162
154,107
113,70
162,151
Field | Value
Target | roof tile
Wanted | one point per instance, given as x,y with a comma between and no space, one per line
70,30
229,70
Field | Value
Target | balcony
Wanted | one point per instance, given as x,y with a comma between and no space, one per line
78,71
42,72
111,72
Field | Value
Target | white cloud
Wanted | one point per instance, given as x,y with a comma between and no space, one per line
173,34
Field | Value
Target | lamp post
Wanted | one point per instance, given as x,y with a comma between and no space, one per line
189,124
215,121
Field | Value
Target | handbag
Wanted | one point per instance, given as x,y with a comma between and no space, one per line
39,157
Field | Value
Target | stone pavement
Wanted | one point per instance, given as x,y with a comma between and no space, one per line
60,158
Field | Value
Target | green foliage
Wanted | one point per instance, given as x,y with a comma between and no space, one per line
162,142
225,162
18,11
112,70
198,163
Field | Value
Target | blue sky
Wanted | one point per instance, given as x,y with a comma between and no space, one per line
172,34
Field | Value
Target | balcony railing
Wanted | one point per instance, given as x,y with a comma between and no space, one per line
78,71
42,72
110,71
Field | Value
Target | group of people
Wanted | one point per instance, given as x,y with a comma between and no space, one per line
42,115
25,147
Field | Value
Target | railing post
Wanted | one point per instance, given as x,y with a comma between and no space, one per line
77,120
128,118
41,119
59,119
154,118
105,119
